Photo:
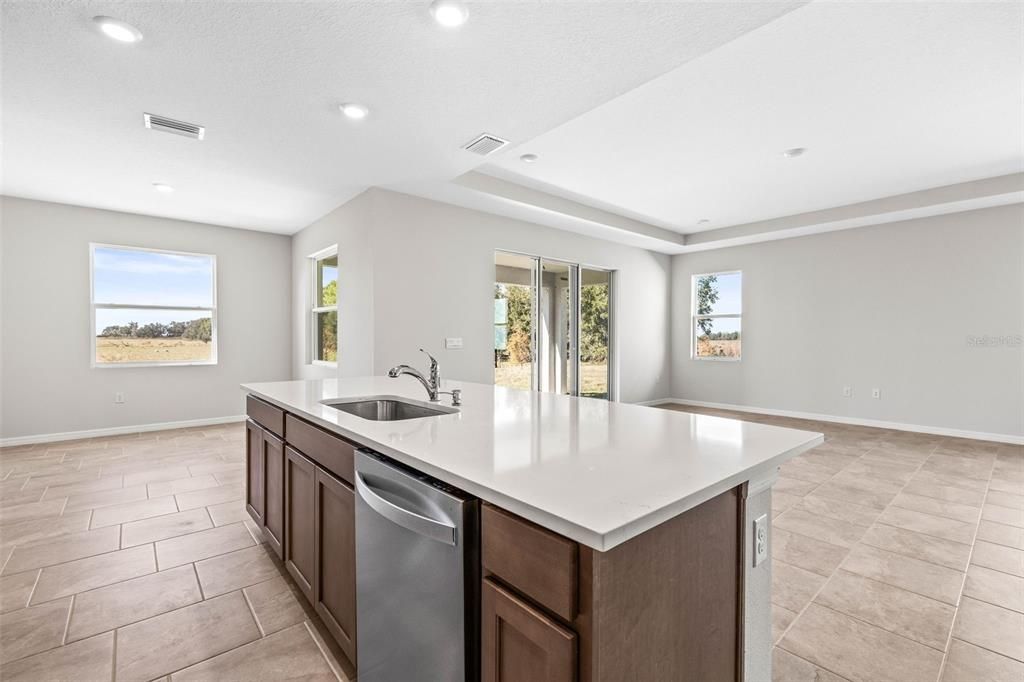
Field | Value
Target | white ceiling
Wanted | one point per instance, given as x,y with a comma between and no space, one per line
889,98
266,79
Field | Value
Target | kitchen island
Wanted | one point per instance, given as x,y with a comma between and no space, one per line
617,541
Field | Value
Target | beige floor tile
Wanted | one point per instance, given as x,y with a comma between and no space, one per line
830,530
57,480
929,505
31,510
181,485
1006,515
186,636
27,532
857,494
991,627
937,526
202,545
287,655
105,498
15,499
275,604
132,600
233,477
919,618
64,548
781,619
154,475
1006,486
71,489
1001,534
793,486
133,511
838,509
891,472
29,631
86,661
164,527
806,552
16,589
858,650
210,496
212,467
999,557
228,512
87,574
238,569
926,579
919,546
793,587
968,663
995,587
951,480
789,668
1008,500
806,470
946,493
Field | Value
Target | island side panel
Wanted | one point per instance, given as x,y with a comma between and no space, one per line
667,604
757,612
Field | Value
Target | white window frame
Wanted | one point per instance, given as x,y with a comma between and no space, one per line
95,305
315,310
694,317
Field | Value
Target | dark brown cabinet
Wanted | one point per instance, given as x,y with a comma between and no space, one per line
254,471
299,537
522,644
273,492
335,568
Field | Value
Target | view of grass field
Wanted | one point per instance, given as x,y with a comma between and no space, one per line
718,348
114,350
594,377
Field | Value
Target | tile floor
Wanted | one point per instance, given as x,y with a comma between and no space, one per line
132,558
896,556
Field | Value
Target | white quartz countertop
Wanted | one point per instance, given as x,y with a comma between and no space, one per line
594,471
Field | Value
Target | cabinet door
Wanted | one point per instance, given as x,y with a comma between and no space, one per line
299,506
335,582
273,492
254,471
520,643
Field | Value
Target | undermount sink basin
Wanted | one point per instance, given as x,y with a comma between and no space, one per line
388,408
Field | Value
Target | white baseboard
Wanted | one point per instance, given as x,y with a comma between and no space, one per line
117,430
854,421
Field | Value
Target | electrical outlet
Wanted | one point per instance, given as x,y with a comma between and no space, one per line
847,391
118,398
876,393
453,343
760,539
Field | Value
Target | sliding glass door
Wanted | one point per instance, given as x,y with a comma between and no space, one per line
551,326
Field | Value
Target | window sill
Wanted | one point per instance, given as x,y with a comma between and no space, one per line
324,363
713,359
134,365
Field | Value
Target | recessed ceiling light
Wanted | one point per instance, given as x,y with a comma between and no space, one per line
356,112
118,30
161,187
449,13
794,152
528,158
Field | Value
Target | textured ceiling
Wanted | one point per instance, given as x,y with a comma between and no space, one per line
889,98
266,79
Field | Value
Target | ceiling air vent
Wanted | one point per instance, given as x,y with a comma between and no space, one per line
169,125
485,144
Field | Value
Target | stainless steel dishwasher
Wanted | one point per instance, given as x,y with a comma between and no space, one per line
417,576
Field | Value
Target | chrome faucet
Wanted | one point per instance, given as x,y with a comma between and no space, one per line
432,384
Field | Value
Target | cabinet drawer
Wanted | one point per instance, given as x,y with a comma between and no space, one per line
540,564
329,451
265,414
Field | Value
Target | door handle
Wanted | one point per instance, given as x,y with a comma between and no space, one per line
417,523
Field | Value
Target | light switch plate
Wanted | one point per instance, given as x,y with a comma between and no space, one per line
760,539
453,343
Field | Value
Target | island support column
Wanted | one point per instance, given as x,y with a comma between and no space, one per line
757,581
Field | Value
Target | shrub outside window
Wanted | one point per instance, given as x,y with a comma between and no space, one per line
325,307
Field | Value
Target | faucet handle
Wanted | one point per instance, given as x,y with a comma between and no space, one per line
433,360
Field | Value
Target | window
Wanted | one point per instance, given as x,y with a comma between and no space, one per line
152,307
325,307
716,315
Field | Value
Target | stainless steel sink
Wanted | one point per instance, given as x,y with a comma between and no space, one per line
388,408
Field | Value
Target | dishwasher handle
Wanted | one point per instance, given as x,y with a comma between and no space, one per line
417,523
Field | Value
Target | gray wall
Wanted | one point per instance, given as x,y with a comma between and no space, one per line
46,381
890,307
432,270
